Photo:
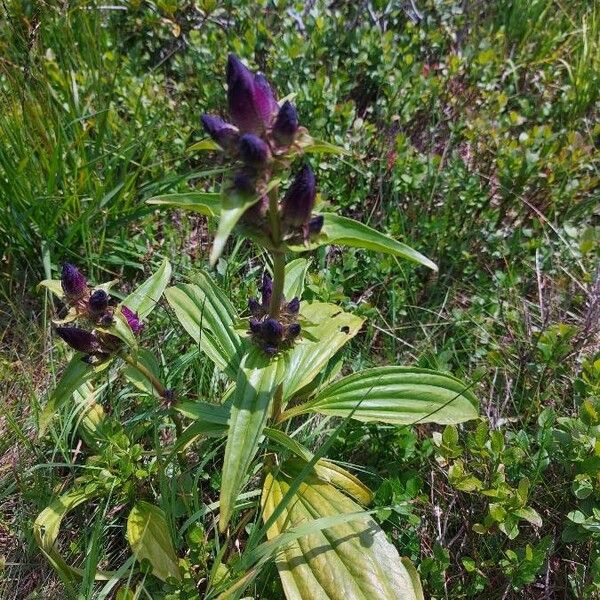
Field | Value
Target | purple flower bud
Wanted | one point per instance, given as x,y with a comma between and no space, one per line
225,134
98,302
243,182
132,319
254,306
253,151
264,99
270,350
294,330
286,124
266,290
255,326
240,95
73,283
299,200
315,225
79,339
272,331
293,306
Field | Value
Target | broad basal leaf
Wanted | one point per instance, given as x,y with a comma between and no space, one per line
144,298
398,395
137,378
208,316
149,537
348,232
350,560
205,203
326,328
257,380
295,272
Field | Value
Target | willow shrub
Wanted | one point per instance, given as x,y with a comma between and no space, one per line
283,362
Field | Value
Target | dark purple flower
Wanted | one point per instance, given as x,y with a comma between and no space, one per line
266,290
244,182
299,200
254,306
315,224
225,134
132,319
272,331
294,330
251,100
286,124
270,350
73,282
98,302
293,306
79,339
264,99
253,151
255,326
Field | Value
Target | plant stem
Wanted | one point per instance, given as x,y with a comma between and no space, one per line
156,383
278,282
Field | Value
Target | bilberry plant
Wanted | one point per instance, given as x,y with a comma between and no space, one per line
283,364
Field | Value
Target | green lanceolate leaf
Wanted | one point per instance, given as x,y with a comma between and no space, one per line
208,316
295,272
149,537
204,145
121,329
233,205
47,527
326,328
348,232
202,411
205,203
257,380
52,285
137,378
398,395
75,375
350,560
144,298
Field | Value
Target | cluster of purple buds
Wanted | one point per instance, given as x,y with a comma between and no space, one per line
262,137
268,333
95,307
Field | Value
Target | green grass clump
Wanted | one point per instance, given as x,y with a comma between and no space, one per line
473,135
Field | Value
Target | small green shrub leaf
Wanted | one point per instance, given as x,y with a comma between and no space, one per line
205,203
348,232
398,395
347,559
257,380
149,537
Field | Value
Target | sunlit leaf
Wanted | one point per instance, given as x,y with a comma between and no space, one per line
398,395
257,380
295,272
209,317
53,285
348,232
149,537
349,560
205,203
137,378
203,145
233,205
144,298
326,329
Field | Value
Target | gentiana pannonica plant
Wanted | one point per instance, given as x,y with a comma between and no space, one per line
283,358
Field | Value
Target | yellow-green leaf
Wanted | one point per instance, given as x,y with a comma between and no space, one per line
149,537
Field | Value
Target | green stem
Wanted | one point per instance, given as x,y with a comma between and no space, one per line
278,282
156,383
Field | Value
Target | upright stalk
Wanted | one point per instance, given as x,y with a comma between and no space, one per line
278,255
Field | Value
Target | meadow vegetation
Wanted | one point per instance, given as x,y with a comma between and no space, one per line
471,134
